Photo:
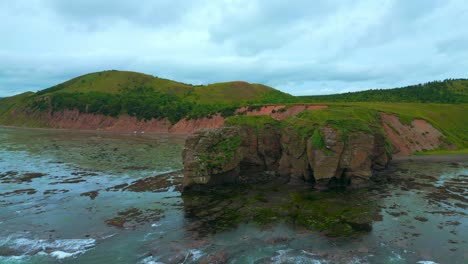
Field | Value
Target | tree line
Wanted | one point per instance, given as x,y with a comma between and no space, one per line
447,91
142,102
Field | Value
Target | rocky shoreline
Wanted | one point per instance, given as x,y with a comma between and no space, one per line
342,153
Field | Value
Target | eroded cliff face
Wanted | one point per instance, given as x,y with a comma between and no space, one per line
73,119
267,153
407,139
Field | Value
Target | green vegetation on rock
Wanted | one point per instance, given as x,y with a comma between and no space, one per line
317,140
343,119
218,154
252,121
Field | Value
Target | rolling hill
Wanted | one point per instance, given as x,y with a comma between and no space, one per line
116,82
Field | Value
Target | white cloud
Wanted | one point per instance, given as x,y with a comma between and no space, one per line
303,47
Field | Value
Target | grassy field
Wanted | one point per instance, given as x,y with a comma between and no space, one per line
451,119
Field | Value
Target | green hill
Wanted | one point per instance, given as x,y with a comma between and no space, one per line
116,82
144,96
447,91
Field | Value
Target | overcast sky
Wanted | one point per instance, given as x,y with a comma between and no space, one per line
300,47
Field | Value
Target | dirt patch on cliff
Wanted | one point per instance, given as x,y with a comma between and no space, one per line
406,139
278,112
73,119
185,126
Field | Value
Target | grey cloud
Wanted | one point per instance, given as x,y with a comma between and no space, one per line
95,15
255,26
300,47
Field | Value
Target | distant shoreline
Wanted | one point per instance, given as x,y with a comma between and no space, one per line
449,157
431,158
139,133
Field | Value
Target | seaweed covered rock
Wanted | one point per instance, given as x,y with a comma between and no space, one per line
212,157
231,154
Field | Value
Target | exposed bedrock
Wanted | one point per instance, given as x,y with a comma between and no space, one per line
243,154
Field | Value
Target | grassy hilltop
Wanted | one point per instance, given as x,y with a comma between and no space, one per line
442,103
115,82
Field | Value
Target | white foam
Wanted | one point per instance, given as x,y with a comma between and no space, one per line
284,258
61,255
109,236
149,260
426,262
196,254
395,257
356,260
156,225
60,249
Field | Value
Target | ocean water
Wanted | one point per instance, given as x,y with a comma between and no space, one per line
65,197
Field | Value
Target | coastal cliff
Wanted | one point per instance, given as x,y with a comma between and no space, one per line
74,119
328,148
241,154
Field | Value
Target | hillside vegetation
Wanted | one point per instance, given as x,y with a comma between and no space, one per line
448,91
114,93
118,82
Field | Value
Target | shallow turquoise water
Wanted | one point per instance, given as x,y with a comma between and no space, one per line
50,222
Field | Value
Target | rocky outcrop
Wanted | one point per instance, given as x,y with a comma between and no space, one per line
251,154
212,157
339,162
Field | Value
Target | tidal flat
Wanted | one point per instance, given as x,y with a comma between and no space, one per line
96,197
